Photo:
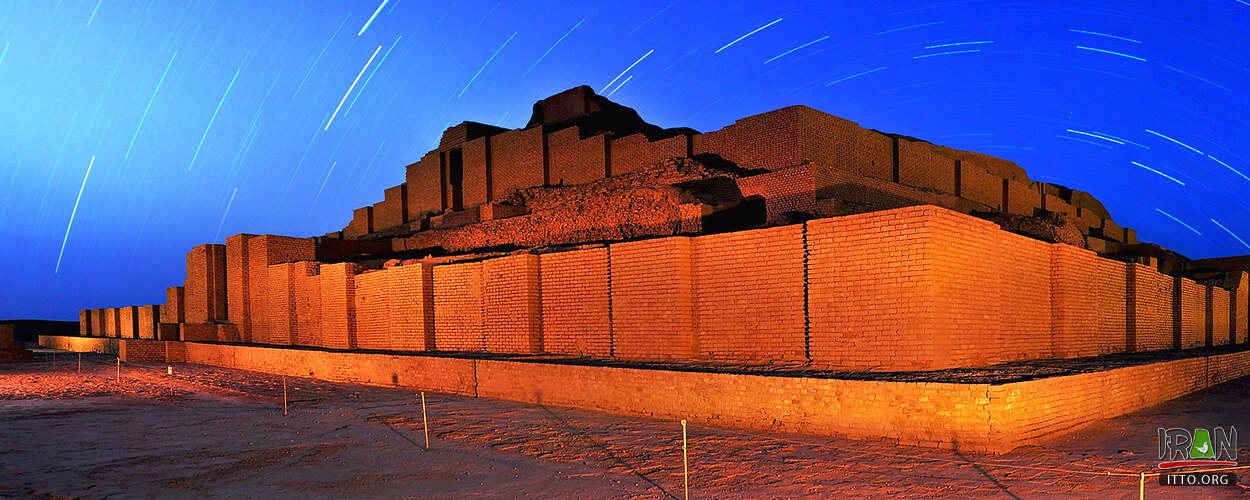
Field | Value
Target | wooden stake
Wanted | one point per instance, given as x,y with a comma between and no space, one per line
284,411
119,369
1141,487
425,422
80,362
685,463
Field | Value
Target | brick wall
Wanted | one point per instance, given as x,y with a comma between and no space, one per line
424,181
1150,306
100,322
273,304
393,209
920,167
787,190
338,305
270,286
868,305
476,170
512,304
148,318
1088,303
573,160
109,322
652,306
97,322
79,344
977,269
843,145
1112,280
1033,412
990,417
441,374
308,307
84,323
174,310
361,223
127,322
1241,309
906,289
575,301
151,351
205,288
516,160
458,292
768,140
238,294
1022,199
977,184
633,152
395,308
1219,301
1190,314
749,295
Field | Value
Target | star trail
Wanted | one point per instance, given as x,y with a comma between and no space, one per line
206,118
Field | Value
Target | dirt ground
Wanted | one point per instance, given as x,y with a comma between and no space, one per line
207,431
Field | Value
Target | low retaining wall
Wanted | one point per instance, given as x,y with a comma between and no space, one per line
80,344
987,417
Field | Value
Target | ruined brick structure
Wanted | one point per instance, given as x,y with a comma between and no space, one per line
11,349
792,238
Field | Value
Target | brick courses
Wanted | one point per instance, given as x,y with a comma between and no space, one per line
424,181
928,287
635,151
749,295
238,285
458,294
174,310
920,167
979,185
868,303
788,190
127,322
392,211
1150,306
516,161
575,290
148,318
395,308
1219,316
989,417
475,184
512,305
769,141
1088,303
205,288
574,160
652,303
1241,308
1189,314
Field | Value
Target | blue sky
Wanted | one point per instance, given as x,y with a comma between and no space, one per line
201,119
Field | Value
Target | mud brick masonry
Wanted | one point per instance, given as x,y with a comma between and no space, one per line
791,239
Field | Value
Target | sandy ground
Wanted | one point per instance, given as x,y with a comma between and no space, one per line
208,431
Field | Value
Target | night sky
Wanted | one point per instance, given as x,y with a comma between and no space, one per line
131,131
